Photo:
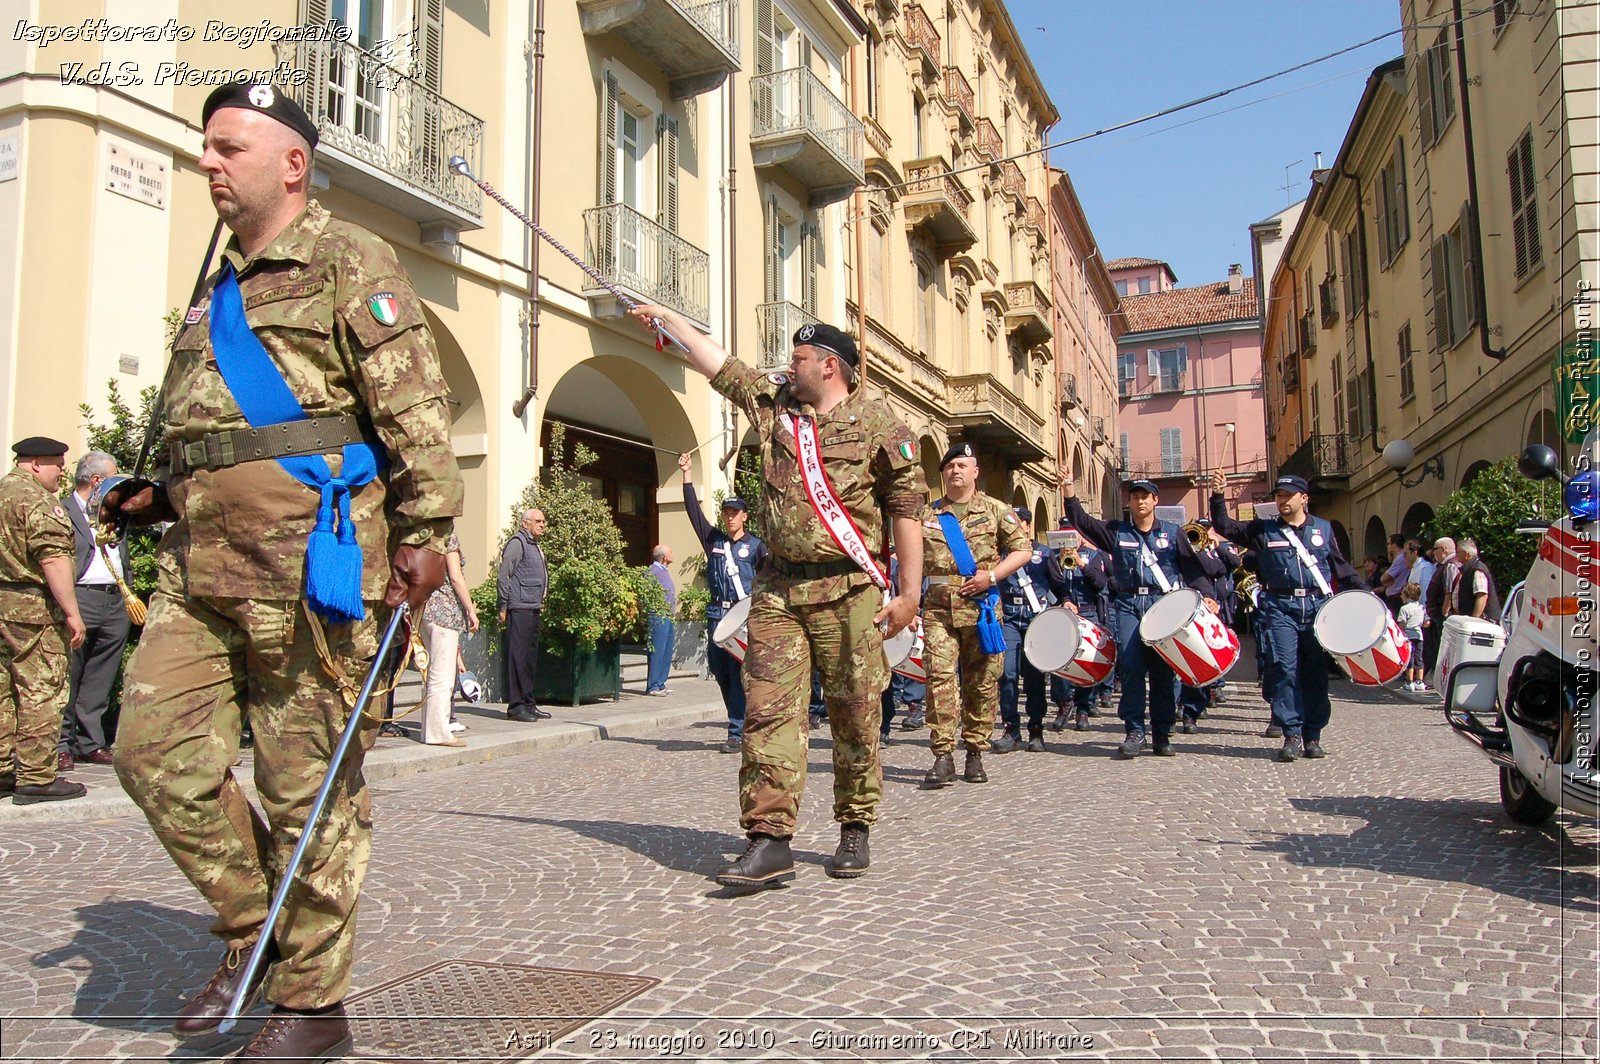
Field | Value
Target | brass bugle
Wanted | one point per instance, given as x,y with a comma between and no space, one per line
1198,534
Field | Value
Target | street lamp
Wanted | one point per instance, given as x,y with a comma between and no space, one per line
1398,456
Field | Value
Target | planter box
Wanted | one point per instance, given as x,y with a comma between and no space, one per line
573,676
689,652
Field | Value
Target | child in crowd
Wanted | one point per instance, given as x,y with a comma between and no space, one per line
1410,620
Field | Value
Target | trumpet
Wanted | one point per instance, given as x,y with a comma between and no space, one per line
1070,558
1199,535
1248,589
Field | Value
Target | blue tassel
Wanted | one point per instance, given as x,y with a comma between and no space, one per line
334,562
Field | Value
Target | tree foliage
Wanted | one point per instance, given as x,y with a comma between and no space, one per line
1488,511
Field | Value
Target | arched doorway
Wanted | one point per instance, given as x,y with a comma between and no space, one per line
1545,429
1415,519
1473,472
469,436
1376,541
1342,538
636,426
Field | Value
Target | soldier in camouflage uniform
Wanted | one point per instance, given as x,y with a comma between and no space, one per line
1000,546
39,619
229,637
812,605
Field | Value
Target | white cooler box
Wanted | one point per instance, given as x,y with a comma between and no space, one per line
1466,640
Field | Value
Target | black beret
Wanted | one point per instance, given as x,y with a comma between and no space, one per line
38,447
1143,485
268,100
829,339
1292,483
957,450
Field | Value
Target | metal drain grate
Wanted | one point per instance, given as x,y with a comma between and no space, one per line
466,1011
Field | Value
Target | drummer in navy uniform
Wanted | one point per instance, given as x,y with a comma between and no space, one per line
1291,593
732,558
1023,595
1136,586
1080,576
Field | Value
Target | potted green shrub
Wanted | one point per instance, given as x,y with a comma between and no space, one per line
689,652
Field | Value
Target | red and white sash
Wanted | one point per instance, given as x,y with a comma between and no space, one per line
826,504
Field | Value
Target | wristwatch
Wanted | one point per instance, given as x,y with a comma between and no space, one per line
992,581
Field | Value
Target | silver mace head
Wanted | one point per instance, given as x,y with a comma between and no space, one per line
459,165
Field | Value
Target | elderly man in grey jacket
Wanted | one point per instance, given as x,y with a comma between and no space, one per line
521,585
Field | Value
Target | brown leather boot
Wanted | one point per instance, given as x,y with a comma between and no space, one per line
300,1038
943,772
205,1010
973,770
850,859
766,862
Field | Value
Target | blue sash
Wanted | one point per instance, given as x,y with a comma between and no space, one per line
333,562
991,634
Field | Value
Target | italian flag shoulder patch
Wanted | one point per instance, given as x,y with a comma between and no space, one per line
385,308
908,450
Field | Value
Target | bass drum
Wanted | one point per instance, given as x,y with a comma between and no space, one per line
732,633
1062,641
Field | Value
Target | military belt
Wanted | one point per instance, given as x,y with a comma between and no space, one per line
950,578
219,450
812,570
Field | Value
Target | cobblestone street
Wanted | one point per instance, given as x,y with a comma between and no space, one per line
1376,905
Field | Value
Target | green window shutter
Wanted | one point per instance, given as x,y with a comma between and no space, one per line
608,141
810,256
667,160
770,254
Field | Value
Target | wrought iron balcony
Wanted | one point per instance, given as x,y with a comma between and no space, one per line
645,259
1013,183
923,37
1028,311
990,146
1069,392
959,92
1324,460
985,409
387,138
1100,430
777,322
1308,333
1291,374
936,198
1328,297
1036,220
801,127
694,42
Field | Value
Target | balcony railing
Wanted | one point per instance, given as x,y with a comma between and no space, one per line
637,254
800,125
923,36
936,198
1308,333
1328,297
1291,374
1028,311
694,42
1069,392
983,407
989,143
777,323
1323,458
1012,182
959,92
1100,430
386,135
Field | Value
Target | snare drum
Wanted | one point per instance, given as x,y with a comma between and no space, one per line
904,652
1189,637
1360,633
1062,641
732,633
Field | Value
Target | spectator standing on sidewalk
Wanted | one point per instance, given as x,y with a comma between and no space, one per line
1435,597
732,560
1395,576
520,587
85,732
39,621
662,634
1474,593
1410,620
449,612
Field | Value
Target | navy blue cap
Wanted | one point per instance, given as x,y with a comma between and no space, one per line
1143,485
733,502
828,338
267,99
1292,483
1024,515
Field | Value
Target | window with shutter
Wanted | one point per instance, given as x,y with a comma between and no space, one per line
1337,378
810,257
1466,279
773,280
1122,451
430,71
1524,206
606,171
667,172
1316,410
1438,268
1171,451
1408,379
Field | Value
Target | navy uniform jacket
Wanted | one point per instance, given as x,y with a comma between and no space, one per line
1084,586
747,552
1014,599
1279,566
1173,552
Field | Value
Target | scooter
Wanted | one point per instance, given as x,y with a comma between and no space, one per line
1523,691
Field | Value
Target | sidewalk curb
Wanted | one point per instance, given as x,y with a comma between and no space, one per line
491,737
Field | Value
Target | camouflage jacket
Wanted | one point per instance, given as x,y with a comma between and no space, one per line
336,312
33,528
869,457
992,532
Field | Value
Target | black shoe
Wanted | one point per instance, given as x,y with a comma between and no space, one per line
766,862
300,1037
1188,727
816,720
850,859
8,784
1132,746
732,746
1314,749
540,714
1105,700
915,720
523,716
1082,723
392,731
973,771
58,790
1007,742
1063,718
943,772
1162,746
1292,748
1035,741
202,1013
1093,712
1274,731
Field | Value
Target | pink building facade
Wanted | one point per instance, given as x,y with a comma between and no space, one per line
1189,385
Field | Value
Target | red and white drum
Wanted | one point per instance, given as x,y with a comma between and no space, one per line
904,652
1062,641
1189,637
1358,630
732,633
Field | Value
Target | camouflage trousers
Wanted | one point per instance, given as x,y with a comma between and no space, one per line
33,696
969,700
786,642
202,667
